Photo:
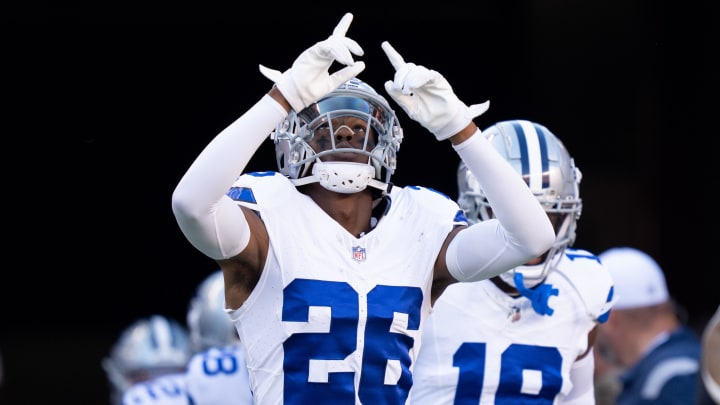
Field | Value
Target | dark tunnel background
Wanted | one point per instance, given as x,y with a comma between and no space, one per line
108,105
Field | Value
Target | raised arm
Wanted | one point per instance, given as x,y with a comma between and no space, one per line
207,217
522,230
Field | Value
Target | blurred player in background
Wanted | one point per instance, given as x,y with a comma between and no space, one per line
147,363
525,336
217,373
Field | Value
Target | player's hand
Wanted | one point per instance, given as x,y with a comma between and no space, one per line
309,78
426,97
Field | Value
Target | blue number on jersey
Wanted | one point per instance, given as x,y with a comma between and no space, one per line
223,362
470,359
380,344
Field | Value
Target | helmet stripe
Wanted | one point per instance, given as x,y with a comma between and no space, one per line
162,334
545,162
533,155
156,331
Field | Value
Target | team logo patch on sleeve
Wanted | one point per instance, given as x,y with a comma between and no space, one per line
242,194
358,253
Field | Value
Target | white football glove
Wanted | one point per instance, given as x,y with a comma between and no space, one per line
427,97
308,79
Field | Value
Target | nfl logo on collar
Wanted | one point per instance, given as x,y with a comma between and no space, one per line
358,253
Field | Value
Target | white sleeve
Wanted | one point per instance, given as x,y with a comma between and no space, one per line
209,219
521,229
581,376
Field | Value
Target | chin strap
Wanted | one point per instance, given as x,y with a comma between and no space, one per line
538,295
342,177
384,187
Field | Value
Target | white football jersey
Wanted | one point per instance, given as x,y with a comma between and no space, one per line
219,376
481,346
168,389
333,315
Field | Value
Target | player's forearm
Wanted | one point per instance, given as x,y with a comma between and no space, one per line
225,157
204,213
526,224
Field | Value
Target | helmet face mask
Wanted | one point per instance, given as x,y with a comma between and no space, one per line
343,132
303,139
550,172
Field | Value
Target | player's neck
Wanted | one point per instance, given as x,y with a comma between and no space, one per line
351,211
505,287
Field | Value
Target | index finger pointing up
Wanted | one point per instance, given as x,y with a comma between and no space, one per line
344,24
395,58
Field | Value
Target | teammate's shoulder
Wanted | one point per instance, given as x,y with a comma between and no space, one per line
196,359
583,267
196,365
580,259
593,283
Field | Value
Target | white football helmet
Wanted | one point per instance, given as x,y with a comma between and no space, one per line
550,172
209,324
149,347
297,160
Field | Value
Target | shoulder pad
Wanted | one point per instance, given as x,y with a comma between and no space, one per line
591,280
